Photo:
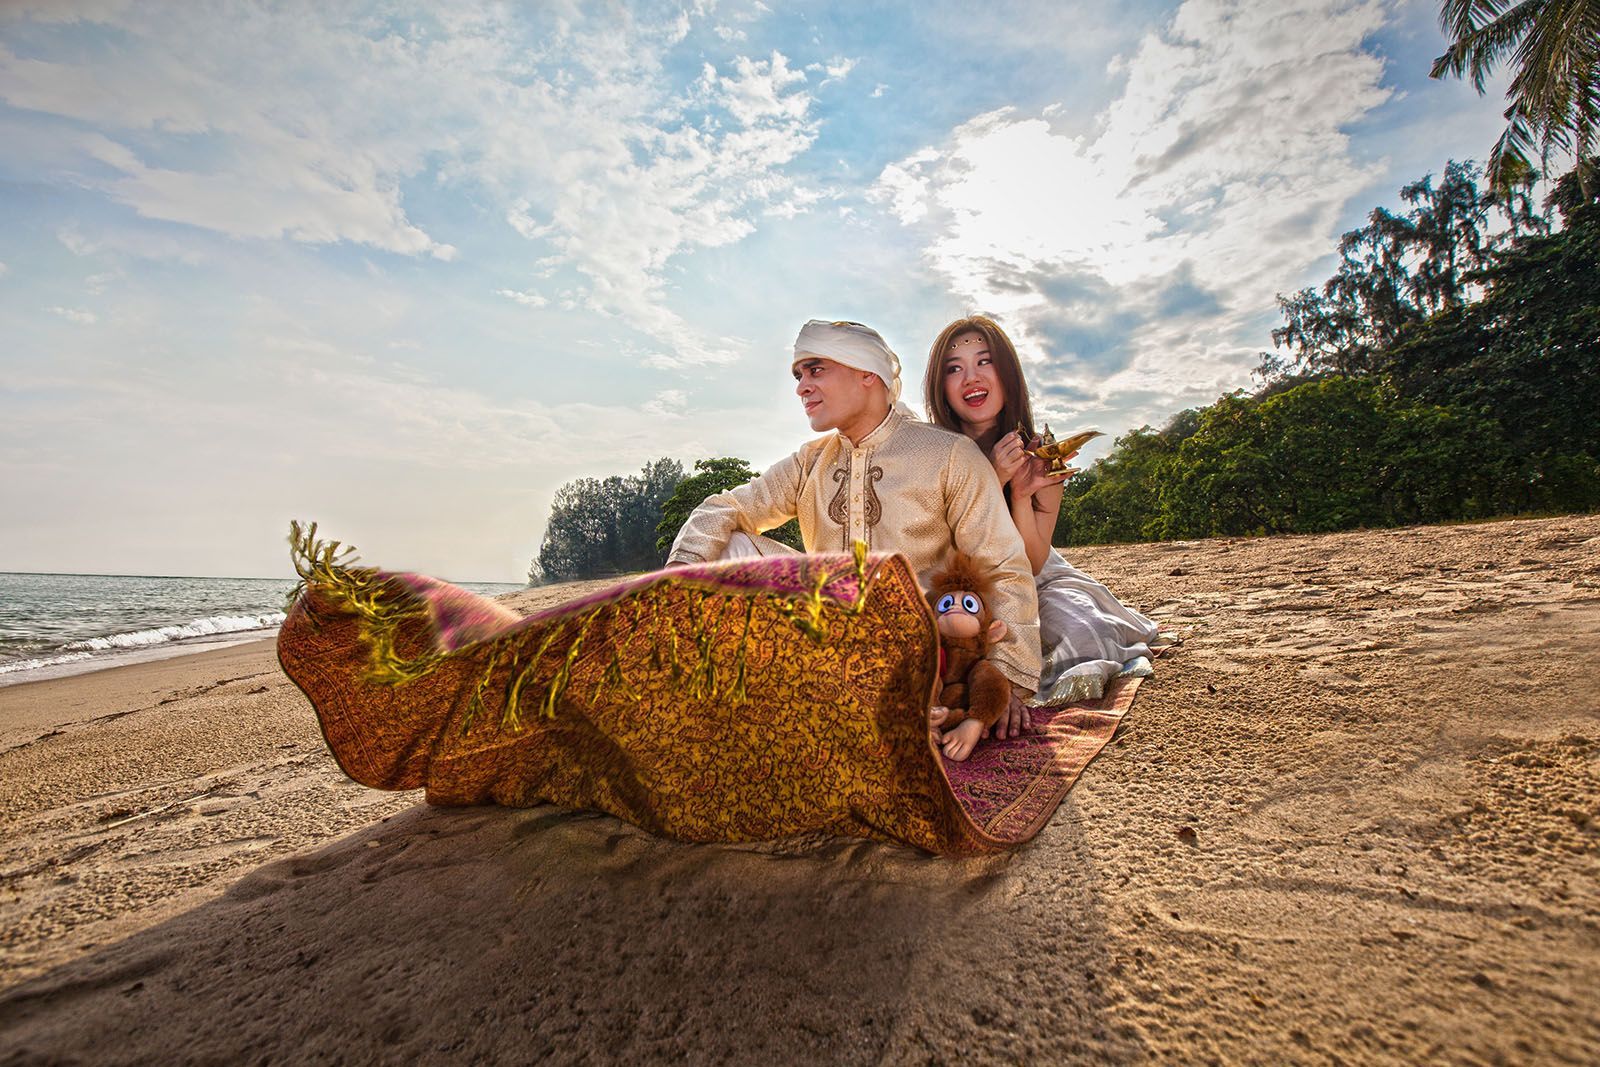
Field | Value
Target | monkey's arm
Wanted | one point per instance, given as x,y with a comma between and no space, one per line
954,697
988,693
960,654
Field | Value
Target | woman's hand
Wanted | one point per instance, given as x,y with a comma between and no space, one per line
1008,457
1035,475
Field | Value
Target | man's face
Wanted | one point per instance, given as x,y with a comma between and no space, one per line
834,395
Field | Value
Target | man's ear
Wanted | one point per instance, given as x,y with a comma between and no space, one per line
997,630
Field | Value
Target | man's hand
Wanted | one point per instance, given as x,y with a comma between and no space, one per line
1016,720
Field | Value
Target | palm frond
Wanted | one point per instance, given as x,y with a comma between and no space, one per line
1553,48
1510,157
1479,47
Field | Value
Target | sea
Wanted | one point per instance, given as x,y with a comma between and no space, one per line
58,624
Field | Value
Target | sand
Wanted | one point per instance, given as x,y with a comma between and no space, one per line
1355,819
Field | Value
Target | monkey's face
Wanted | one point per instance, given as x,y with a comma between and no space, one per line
960,613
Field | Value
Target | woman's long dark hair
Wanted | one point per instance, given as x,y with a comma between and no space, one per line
1008,369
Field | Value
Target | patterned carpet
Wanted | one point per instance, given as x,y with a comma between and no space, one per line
747,700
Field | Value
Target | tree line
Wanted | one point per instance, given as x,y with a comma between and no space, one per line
601,528
1448,370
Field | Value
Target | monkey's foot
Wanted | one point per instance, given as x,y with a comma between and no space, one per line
960,740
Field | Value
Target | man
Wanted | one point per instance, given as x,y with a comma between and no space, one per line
883,477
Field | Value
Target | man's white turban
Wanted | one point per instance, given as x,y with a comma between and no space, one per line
853,345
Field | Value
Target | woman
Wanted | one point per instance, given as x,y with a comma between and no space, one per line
974,386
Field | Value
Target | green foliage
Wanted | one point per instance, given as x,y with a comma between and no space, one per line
1449,370
1474,397
1442,374
604,527
711,476
1528,353
1396,272
1322,455
1119,497
1527,356
1576,188
1328,455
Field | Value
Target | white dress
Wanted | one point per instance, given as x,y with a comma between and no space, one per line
1087,635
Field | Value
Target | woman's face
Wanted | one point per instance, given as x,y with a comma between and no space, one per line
971,386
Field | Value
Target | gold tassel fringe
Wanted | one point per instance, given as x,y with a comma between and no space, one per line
329,569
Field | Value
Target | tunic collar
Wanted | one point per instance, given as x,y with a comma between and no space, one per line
891,422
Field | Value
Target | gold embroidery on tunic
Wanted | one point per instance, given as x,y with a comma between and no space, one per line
839,506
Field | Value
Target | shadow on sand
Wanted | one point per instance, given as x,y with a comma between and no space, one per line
492,934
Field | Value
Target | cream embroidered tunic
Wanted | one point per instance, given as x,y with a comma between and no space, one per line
908,487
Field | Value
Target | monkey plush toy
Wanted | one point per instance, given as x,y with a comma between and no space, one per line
973,694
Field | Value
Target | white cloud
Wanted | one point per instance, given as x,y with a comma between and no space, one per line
285,175
410,418
115,243
1214,181
838,69
907,185
55,11
4,270
384,454
77,315
618,220
546,267
1014,195
524,223
320,125
667,402
758,90
526,299
799,201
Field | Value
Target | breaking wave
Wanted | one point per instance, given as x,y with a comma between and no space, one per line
47,661
215,624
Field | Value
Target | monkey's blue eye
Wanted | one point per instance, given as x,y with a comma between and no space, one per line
946,602
970,602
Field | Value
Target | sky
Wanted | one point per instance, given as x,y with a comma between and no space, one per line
405,269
